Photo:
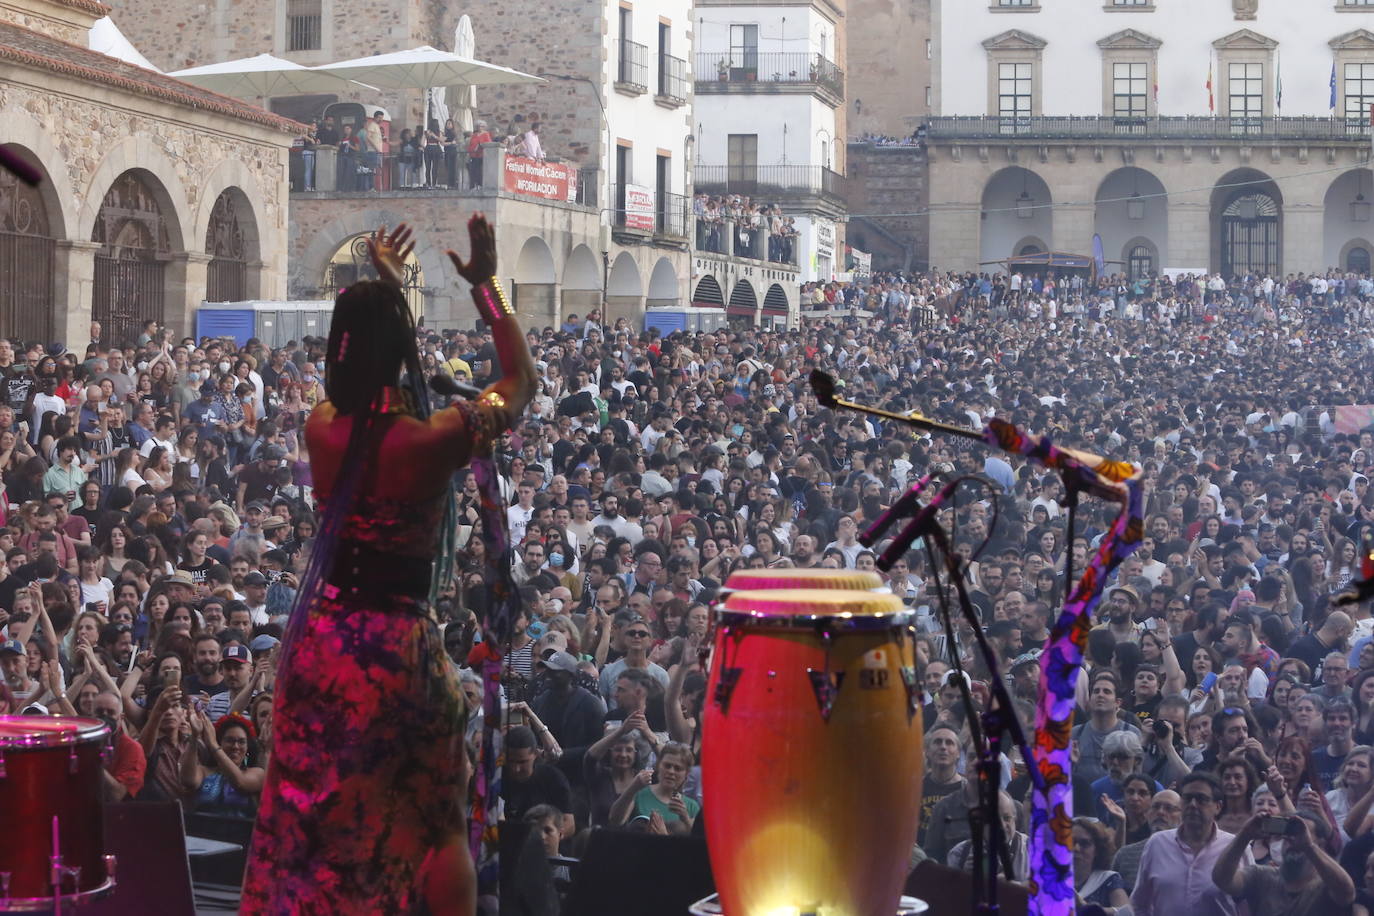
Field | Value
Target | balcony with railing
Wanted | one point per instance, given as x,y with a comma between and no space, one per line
769,181
632,68
672,217
769,71
672,81
745,239
1326,130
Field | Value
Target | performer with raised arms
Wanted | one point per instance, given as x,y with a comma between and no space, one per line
363,810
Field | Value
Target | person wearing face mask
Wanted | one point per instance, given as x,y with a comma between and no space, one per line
312,386
126,765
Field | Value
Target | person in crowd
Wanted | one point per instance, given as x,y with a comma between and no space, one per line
1165,814
1308,882
1176,867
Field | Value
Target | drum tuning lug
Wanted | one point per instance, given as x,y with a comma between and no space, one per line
73,762
826,686
913,692
772,674
2,764
729,677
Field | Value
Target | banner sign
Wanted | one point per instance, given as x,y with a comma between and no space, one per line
532,178
639,207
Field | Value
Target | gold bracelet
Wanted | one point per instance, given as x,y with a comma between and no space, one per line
493,399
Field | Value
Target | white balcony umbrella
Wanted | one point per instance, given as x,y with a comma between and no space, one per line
106,38
424,67
465,97
264,76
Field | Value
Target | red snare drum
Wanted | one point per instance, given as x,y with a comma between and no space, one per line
50,772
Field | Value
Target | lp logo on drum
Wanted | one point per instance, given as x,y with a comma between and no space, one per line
874,675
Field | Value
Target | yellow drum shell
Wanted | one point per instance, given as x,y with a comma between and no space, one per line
760,579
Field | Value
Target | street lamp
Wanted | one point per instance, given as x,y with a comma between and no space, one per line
1025,204
1135,207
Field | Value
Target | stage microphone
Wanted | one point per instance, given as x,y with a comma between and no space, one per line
448,385
902,506
917,527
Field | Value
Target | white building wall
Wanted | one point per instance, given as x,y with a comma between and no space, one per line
1072,70
786,125
788,29
647,124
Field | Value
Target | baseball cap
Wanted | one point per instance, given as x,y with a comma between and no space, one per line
255,578
12,645
237,654
274,453
256,504
560,661
264,642
1026,658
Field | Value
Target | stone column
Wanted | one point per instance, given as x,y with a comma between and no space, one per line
1303,232
186,280
73,289
1190,235
493,166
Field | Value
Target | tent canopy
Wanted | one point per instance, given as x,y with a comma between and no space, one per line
423,68
106,38
264,76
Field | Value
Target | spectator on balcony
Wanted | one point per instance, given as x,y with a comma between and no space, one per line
347,179
530,147
479,136
434,153
451,153
328,134
306,144
375,136
405,157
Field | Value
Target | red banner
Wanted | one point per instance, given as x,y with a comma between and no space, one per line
532,178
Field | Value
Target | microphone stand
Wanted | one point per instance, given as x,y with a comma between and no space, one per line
997,720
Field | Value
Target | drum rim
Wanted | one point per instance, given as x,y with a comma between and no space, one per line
893,620
85,730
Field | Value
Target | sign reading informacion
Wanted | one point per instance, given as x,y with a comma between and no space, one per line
639,207
533,178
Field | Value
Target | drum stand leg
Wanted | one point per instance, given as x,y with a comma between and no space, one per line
59,873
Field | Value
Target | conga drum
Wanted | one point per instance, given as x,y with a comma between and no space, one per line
811,752
50,793
751,580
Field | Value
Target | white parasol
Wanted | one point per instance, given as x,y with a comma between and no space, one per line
465,97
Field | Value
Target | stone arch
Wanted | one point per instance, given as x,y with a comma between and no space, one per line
1351,258
535,263
1347,209
233,176
775,299
744,297
664,290
1133,254
131,154
30,227
33,143
708,293
1016,202
535,289
231,240
1031,244
1130,203
582,277
308,270
1247,223
624,291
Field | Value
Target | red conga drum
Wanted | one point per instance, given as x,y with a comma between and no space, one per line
50,789
811,753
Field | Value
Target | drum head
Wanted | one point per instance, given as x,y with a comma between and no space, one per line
49,731
758,579
808,606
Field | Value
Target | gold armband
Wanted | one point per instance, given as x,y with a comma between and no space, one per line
491,300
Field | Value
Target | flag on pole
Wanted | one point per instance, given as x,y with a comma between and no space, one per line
1333,87
1211,98
1278,84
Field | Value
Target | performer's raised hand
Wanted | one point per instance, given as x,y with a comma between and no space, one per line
389,253
481,265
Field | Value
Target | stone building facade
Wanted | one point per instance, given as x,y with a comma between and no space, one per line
889,77
888,196
1209,136
156,194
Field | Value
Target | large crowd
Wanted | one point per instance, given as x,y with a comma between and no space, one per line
158,512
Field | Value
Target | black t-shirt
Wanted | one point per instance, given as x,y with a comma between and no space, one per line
931,793
198,573
487,354
19,385
546,786
191,685
90,516
257,484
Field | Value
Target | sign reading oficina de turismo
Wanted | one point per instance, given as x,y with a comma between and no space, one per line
533,178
